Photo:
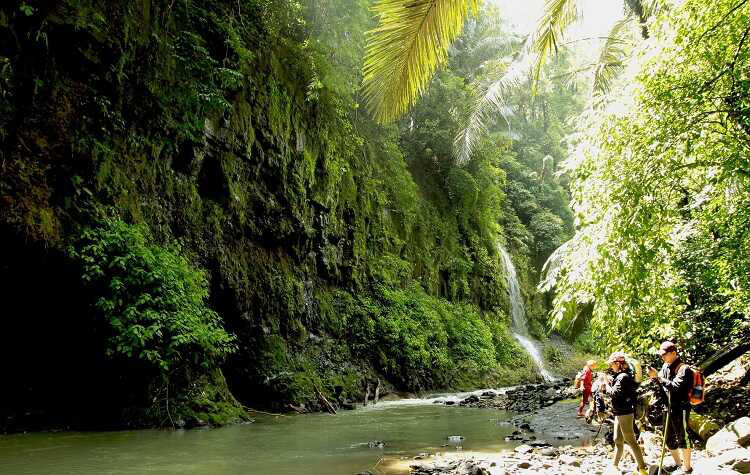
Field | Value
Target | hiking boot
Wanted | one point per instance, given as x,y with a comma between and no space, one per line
682,471
670,467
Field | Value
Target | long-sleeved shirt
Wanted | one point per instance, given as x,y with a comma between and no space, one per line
675,381
623,392
587,379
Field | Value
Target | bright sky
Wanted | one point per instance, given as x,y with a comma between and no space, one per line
598,17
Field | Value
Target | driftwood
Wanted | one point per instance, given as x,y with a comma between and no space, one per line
250,409
325,402
723,357
297,409
377,392
367,394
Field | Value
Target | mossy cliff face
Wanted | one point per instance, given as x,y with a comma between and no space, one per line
207,123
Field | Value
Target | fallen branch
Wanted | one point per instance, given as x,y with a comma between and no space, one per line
324,401
250,409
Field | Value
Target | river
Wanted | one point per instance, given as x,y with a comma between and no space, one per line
290,444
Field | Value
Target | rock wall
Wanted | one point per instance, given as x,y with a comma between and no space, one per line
198,121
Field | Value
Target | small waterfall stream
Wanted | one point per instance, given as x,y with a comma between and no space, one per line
518,314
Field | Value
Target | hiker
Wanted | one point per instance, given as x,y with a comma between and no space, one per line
674,380
586,379
623,393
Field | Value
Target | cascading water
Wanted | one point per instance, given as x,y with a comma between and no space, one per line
518,316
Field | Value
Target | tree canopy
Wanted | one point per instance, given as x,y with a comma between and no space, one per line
660,189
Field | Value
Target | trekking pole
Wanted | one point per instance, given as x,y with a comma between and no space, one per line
664,435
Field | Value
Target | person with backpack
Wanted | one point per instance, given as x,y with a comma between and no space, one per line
624,396
585,379
676,383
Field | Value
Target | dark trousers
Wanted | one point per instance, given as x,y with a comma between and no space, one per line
677,435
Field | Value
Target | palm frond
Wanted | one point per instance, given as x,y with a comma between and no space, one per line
557,17
492,98
640,10
411,40
612,57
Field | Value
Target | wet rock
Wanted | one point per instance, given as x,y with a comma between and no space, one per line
539,443
473,399
376,444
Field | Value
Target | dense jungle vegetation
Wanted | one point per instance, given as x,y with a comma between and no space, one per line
198,213
214,204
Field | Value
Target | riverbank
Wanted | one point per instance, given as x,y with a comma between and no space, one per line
555,442
595,459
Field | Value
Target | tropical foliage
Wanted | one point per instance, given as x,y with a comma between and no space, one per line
661,190
151,298
318,250
409,43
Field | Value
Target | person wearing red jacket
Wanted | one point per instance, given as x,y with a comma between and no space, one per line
587,378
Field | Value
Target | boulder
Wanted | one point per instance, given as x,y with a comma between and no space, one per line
473,399
733,436
730,457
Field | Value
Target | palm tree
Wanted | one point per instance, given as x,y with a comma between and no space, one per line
411,40
413,37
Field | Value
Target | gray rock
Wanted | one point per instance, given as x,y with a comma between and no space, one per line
550,452
733,436
570,460
741,427
523,449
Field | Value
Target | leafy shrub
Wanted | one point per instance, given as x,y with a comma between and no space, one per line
152,299
553,355
421,341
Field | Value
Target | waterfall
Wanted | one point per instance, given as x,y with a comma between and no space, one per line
518,316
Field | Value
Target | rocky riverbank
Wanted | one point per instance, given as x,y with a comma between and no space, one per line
726,453
555,442
522,399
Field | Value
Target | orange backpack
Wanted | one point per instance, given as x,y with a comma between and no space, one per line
696,393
